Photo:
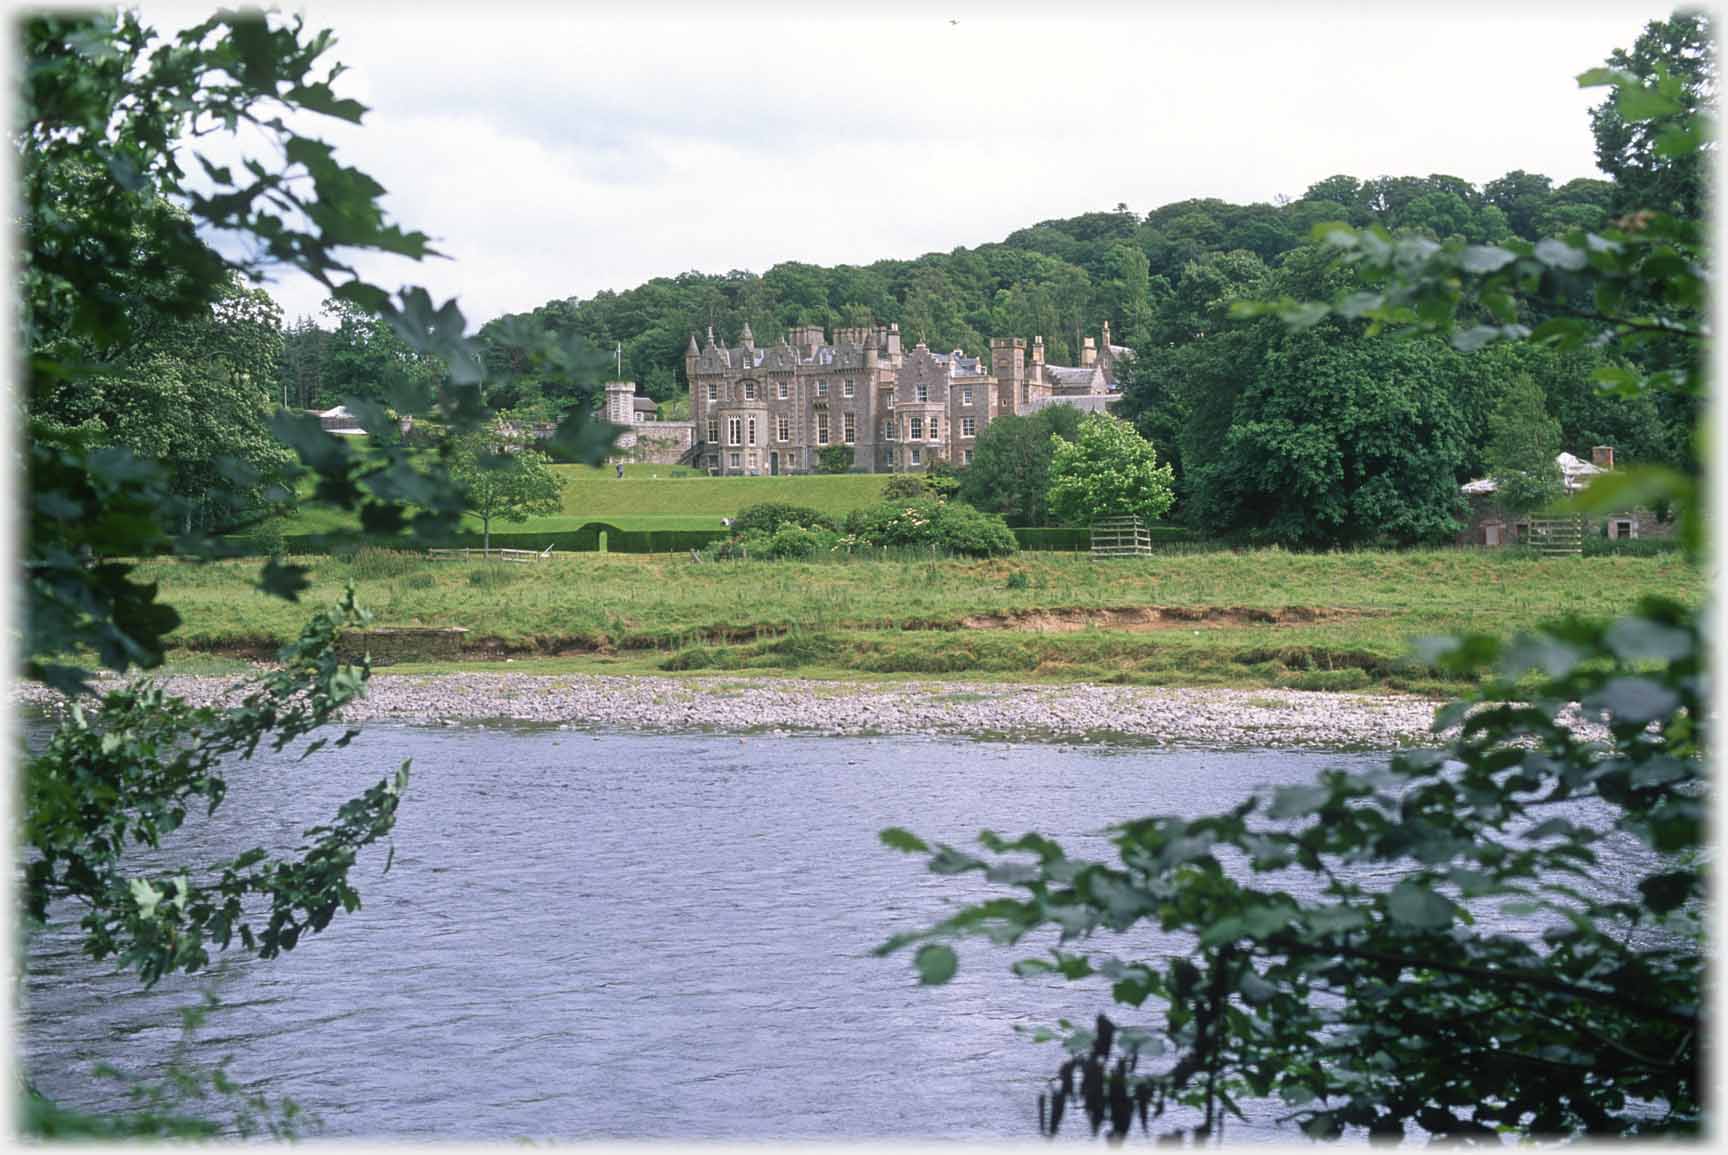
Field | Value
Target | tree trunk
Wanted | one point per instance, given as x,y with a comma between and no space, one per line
486,536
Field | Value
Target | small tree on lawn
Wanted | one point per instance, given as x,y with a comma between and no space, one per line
1523,448
1109,470
504,481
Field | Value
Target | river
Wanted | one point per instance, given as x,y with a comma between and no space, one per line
609,935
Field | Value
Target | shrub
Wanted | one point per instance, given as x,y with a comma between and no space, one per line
834,459
952,526
941,480
786,543
1018,581
1600,544
767,518
903,486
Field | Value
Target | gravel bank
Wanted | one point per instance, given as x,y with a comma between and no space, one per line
1172,717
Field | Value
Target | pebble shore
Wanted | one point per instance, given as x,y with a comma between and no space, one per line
1209,718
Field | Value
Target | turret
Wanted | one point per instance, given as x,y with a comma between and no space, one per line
621,402
1037,371
690,355
747,338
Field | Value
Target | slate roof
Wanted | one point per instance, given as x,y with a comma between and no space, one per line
1085,402
1064,375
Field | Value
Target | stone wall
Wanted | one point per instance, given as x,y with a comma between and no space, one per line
655,442
391,644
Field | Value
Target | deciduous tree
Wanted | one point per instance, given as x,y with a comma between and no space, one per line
1107,470
1522,449
504,480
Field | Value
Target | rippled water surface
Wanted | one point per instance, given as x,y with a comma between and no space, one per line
588,936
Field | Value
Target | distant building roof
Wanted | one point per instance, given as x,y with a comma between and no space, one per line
1064,375
1085,402
1575,474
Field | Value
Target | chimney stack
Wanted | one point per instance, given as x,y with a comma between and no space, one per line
1088,353
1602,457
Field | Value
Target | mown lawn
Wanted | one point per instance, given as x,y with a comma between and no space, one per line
891,618
651,497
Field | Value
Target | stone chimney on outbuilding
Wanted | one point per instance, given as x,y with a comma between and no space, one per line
1088,353
1602,456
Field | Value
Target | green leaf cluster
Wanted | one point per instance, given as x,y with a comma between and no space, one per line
1107,470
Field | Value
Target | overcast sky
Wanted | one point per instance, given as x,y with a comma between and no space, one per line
555,153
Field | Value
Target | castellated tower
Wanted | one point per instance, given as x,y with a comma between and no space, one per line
1008,366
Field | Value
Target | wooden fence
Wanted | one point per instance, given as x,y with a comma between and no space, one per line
1557,535
1121,537
519,555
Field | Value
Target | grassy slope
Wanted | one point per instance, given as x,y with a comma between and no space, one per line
649,497
874,618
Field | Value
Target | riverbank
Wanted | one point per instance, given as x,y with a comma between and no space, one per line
1259,619
1191,718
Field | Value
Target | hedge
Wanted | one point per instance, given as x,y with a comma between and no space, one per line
583,540
1078,539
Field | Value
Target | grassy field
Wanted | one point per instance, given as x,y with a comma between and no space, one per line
1261,618
651,497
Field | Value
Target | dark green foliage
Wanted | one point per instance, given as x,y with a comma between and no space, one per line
1341,442
583,540
1079,538
92,511
945,526
1010,470
769,516
834,459
1058,537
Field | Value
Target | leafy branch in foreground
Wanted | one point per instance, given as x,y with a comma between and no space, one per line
130,773
1341,995
160,1105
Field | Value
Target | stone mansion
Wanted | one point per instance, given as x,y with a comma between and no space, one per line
773,409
